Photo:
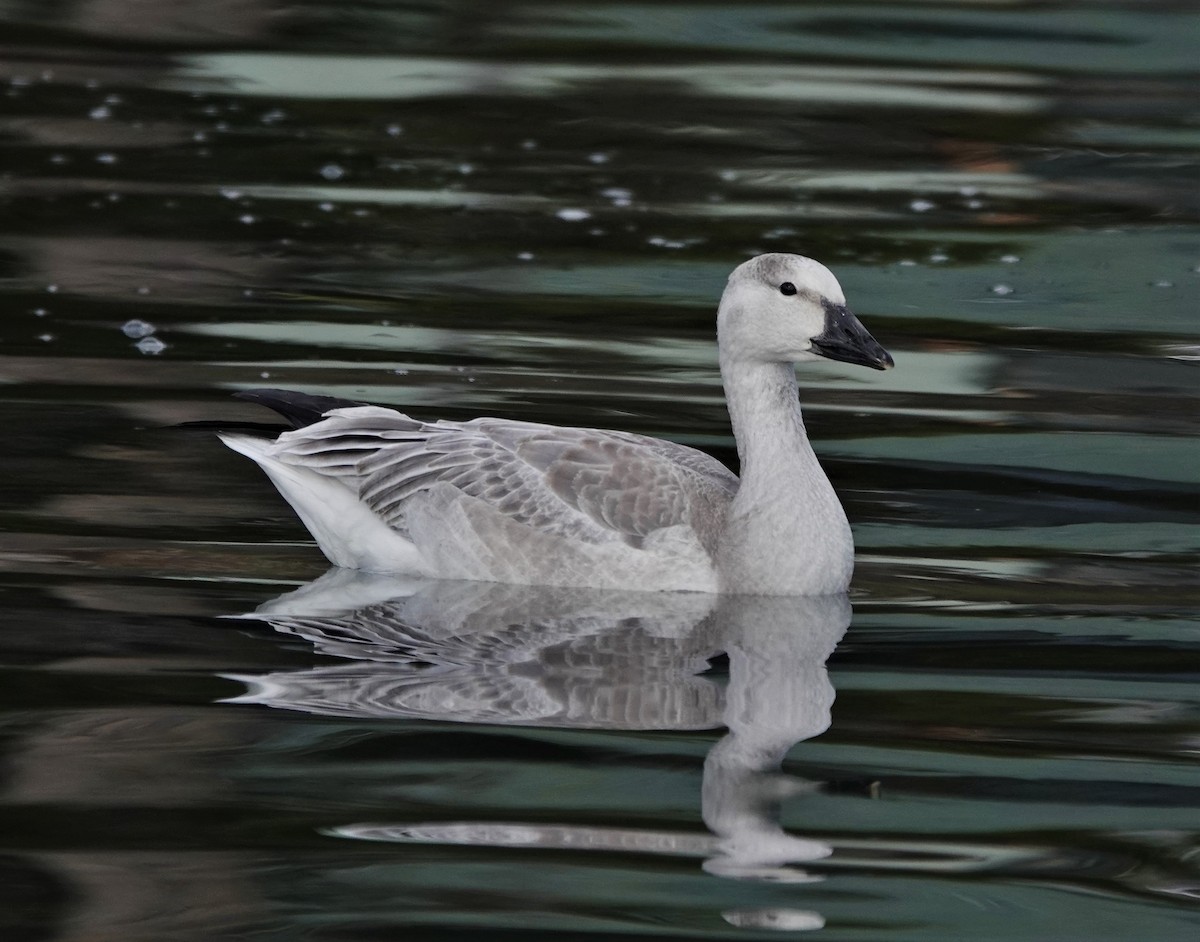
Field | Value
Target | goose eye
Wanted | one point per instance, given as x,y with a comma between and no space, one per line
787,288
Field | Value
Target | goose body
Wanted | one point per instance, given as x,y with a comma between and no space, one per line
504,501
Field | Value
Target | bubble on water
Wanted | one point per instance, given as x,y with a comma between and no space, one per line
598,158
230,193
974,204
274,116
199,137
247,219
618,195
1002,289
325,207
394,130
52,289
40,312
1162,284
686,242
526,256
938,257
91,83
728,175
100,113
1010,259
150,346
529,145
136,329
58,158
922,206
332,172
106,158
265,374
573,215
968,191
45,338
907,262
466,169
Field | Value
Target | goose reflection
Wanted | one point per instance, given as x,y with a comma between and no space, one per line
594,659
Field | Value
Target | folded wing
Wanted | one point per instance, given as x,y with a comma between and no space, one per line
584,484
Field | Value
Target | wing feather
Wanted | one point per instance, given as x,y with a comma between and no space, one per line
588,484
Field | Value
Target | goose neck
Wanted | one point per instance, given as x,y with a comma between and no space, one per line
764,408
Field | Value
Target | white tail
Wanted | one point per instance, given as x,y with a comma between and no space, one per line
347,530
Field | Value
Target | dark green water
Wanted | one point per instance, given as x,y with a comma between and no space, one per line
529,209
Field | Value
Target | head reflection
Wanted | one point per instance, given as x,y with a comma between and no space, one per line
584,659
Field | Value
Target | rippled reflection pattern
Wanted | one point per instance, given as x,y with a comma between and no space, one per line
590,659
528,210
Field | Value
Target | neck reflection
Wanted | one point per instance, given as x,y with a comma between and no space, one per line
584,659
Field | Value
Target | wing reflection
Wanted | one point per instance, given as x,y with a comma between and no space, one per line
595,659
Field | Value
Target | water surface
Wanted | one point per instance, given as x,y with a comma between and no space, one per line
530,210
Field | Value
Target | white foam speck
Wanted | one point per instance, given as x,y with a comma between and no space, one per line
136,329
151,346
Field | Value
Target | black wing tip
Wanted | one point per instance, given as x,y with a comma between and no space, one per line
300,409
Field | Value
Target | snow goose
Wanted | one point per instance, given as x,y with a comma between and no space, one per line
504,501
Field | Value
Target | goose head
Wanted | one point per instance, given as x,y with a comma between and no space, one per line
782,308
